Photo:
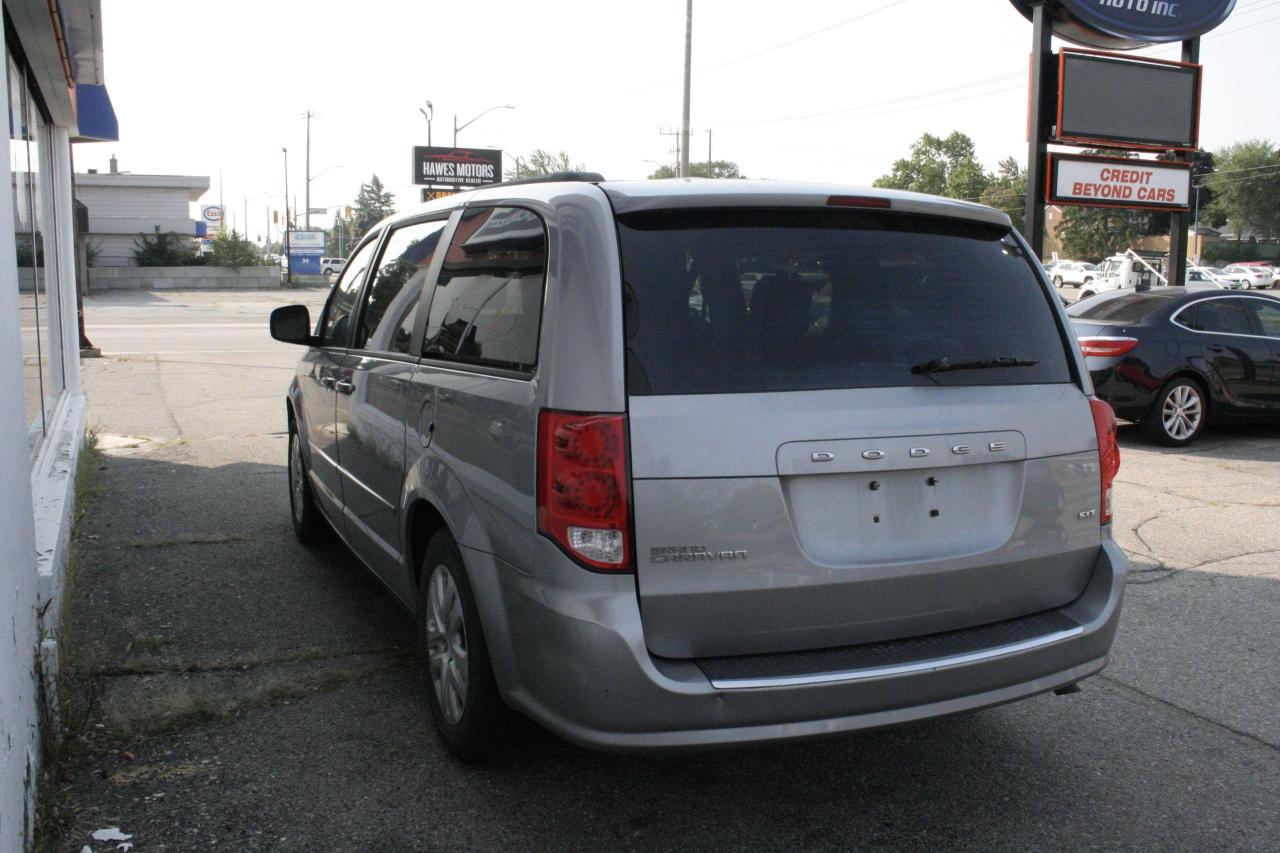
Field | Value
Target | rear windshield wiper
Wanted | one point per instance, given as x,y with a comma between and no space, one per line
941,365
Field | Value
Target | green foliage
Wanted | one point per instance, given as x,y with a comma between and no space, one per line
232,250
939,166
373,203
1220,253
1007,190
166,249
702,169
1247,188
542,162
341,237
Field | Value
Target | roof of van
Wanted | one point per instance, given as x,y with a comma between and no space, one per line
630,196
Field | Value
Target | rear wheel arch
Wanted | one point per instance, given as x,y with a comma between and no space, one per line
424,521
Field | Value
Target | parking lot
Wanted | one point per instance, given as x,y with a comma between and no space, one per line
252,694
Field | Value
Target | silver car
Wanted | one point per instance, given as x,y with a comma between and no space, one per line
674,464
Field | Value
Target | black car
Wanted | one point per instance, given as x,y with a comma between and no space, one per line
1172,359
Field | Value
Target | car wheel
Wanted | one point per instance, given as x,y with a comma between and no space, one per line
1057,281
1088,280
1084,295
470,716
305,513
1178,415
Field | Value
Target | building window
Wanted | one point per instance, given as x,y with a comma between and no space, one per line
42,375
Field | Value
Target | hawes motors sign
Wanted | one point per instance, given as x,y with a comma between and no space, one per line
1126,24
458,167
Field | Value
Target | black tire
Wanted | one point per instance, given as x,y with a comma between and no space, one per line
308,523
1162,425
1084,295
1057,281
478,726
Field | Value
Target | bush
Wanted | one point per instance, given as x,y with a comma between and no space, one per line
232,250
162,250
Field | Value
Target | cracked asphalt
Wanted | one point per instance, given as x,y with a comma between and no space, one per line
254,695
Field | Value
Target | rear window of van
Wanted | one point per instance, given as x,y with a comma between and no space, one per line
751,300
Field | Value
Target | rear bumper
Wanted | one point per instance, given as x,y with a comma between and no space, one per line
568,650
1125,384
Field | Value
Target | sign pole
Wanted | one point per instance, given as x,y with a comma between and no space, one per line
1178,221
1038,125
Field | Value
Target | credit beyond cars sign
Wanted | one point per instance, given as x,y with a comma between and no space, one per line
1118,182
1126,24
456,167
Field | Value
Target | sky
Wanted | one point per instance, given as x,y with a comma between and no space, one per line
823,90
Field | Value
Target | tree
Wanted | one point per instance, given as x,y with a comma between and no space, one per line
1007,190
373,203
167,249
542,162
940,166
342,236
232,250
1247,187
701,169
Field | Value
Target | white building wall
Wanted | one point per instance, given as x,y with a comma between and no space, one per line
18,635
122,206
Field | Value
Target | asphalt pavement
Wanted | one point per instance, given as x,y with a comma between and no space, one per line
255,695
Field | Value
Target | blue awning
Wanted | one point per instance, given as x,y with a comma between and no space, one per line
95,115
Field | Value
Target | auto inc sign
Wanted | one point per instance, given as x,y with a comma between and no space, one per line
1118,182
456,167
1126,24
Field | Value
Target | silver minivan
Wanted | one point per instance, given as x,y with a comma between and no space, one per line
673,464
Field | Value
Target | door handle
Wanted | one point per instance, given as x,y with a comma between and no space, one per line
327,382
343,387
1217,348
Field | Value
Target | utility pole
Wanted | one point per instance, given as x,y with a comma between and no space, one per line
222,223
709,173
688,55
307,193
676,134
288,261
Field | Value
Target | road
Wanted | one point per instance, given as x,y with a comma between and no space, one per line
256,695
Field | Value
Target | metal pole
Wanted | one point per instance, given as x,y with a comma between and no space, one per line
1038,126
1178,219
709,174
288,261
688,55
455,130
306,195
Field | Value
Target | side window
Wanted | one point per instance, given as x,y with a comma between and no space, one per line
1222,316
341,310
387,322
487,304
1268,316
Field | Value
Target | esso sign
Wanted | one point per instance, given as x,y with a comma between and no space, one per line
1126,24
212,213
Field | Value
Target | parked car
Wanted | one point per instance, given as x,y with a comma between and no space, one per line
1202,278
649,509
1254,277
1170,359
1231,281
1074,273
332,266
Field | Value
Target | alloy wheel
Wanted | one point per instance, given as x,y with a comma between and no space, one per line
296,477
1182,412
447,644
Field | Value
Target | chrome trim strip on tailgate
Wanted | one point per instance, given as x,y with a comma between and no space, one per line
896,669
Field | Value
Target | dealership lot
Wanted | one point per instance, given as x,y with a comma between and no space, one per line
257,695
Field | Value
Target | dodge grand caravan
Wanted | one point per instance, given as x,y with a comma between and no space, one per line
674,464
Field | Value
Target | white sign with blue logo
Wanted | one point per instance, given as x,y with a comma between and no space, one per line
305,250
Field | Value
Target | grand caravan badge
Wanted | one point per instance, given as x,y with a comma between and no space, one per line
691,554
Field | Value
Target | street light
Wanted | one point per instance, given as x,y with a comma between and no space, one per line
428,112
288,265
457,127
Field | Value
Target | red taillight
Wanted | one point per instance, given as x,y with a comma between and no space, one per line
583,487
1107,347
1104,424
858,201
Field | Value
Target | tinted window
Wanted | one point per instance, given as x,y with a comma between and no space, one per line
1268,315
1124,309
387,322
339,314
774,300
1217,315
487,305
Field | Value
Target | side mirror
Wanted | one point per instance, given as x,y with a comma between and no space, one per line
291,324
